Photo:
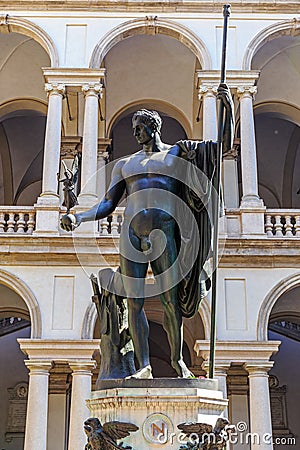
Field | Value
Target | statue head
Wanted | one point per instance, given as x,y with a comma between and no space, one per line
150,119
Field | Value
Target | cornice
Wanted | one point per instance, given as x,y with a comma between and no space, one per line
17,250
199,6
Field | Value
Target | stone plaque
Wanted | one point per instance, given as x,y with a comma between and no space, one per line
17,407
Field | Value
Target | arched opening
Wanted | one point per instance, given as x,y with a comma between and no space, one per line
156,72
14,324
284,325
277,118
22,118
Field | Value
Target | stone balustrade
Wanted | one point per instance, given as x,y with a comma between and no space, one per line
283,223
17,219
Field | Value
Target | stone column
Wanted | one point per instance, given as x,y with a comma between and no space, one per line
52,142
252,207
210,127
88,194
260,409
81,391
47,206
101,174
37,407
248,148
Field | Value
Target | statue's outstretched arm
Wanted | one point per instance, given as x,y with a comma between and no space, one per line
102,209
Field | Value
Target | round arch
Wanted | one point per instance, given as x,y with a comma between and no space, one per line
151,25
284,28
23,26
17,104
280,110
23,290
269,301
159,105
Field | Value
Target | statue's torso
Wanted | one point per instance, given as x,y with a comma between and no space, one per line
152,188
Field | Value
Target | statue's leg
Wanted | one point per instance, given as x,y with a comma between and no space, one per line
134,289
172,314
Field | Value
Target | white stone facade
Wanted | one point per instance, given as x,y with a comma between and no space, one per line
71,74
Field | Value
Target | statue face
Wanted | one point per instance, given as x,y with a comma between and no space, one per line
141,131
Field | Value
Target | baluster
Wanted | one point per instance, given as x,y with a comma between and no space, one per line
104,224
114,225
2,222
297,226
30,223
269,225
21,223
288,226
278,226
11,223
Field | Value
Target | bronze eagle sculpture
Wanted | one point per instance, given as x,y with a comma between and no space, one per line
209,437
104,437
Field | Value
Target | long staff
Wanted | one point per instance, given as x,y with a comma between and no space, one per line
216,212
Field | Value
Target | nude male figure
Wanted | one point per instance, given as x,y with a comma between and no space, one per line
140,175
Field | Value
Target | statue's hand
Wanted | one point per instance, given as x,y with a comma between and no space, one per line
69,222
225,95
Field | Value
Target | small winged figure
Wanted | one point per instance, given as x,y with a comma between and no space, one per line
209,438
71,175
105,437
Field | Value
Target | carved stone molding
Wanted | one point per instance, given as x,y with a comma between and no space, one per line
246,91
207,91
92,89
55,89
70,146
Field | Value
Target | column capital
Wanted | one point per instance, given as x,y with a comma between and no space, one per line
207,90
94,89
55,89
221,368
246,91
82,367
259,368
39,365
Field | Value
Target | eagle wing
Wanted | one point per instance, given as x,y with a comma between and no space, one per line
119,430
195,427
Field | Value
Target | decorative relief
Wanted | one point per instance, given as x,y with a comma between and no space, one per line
244,91
151,25
278,407
92,89
55,89
17,405
207,90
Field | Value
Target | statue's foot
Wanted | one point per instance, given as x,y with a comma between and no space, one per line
182,370
145,372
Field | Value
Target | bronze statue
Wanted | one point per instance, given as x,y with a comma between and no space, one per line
69,182
105,437
208,437
116,348
167,223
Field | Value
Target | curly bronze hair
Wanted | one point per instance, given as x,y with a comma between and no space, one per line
150,118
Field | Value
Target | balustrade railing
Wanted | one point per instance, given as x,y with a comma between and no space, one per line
17,219
282,223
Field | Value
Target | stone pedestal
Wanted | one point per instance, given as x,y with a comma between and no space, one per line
157,407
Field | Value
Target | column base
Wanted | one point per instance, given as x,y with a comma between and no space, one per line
47,215
252,201
157,407
252,217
